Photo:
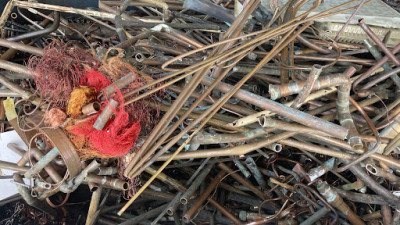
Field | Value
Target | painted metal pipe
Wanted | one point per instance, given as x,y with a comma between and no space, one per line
42,163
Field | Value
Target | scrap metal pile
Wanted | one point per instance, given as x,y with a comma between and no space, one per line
202,111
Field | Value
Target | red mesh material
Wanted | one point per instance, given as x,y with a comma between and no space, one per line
119,135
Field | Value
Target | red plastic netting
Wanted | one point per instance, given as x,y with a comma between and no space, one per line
59,70
118,135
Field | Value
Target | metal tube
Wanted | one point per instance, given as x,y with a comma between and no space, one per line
105,115
9,93
251,164
381,78
26,195
380,44
101,171
336,201
312,77
46,159
94,203
14,67
145,216
107,182
295,87
377,55
166,179
75,182
120,83
241,180
21,47
210,9
362,198
241,167
290,113
91,108
343,110
196,183
204,196
39,33
13,166
321,170
316,216
207,138
311,45
231,151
